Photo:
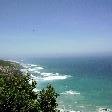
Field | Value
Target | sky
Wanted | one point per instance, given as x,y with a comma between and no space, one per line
55,27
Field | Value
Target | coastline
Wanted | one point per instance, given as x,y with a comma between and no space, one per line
33,69
100,109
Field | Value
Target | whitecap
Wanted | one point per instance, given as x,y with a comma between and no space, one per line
104,110
35,69
31,69
24,65
38,72
70,92
46,74
34,77
65,110
39,68
55,77
32,65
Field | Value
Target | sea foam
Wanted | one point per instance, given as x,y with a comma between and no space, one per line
55,77
40,74
104,110
70,92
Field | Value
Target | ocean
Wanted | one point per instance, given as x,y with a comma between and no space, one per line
84,84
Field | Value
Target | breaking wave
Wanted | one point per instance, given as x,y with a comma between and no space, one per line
38,73
70,92
104,110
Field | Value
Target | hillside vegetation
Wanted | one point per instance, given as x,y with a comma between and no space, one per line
17,95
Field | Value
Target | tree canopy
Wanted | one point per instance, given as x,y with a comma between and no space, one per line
17,95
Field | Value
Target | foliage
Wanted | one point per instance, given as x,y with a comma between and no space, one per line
17,95
47,99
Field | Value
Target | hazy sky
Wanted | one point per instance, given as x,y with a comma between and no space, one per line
55,27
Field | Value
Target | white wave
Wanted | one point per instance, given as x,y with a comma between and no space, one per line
46,74
55,78
49,74
36,90
39,68
49,77
32,65
35,77
104,110
31,68
65,110
70,92
38,72
24,65
35,69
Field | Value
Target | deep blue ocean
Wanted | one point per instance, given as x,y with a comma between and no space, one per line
84,84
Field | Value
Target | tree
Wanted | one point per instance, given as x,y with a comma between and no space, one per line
47,99
17,95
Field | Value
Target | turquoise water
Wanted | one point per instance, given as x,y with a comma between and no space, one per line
84,84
